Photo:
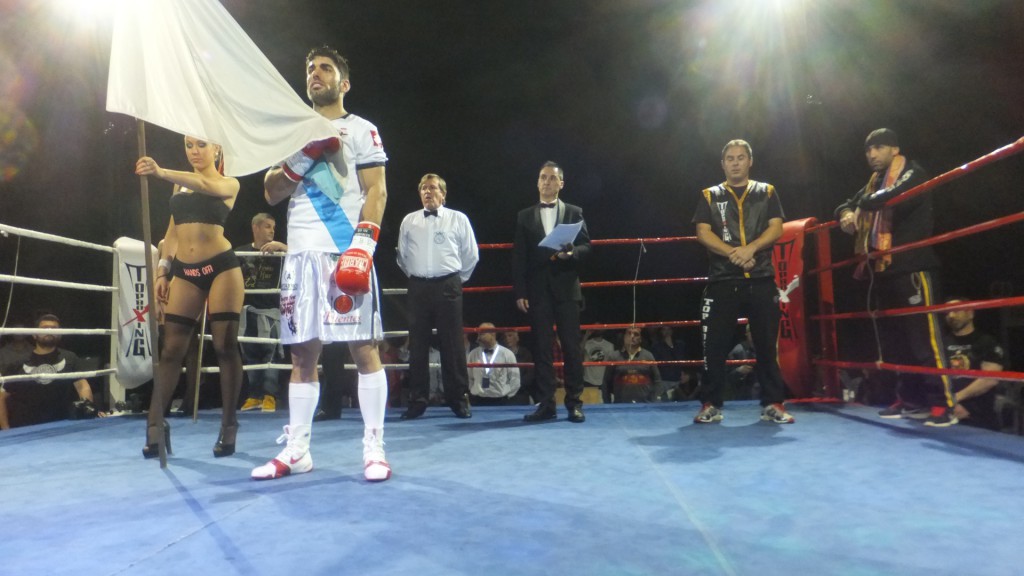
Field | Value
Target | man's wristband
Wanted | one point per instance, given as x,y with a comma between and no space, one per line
164,264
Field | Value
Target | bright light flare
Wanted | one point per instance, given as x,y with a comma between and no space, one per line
85,13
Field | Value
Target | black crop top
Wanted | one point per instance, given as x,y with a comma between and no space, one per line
189,207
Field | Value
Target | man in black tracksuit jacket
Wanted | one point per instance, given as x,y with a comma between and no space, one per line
906,279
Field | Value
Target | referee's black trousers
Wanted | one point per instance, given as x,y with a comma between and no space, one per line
437,303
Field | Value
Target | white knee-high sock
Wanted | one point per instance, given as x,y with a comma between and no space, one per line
373,399
302,400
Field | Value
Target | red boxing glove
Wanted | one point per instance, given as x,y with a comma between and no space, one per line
296,166
352,274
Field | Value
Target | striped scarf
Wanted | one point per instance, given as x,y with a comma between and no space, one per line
874,227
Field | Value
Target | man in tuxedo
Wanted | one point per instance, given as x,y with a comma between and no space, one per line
547,288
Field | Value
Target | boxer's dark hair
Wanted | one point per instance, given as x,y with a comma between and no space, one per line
327,52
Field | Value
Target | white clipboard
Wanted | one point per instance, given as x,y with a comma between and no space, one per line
561,235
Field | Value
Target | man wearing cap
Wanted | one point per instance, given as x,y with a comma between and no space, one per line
906,279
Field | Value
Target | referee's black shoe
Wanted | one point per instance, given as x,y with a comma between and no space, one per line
542,413
415,410
461,407
576,415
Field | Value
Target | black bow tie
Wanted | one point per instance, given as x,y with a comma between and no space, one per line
429,213
552,205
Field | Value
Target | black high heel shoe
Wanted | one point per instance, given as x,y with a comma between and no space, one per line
152,449
223,447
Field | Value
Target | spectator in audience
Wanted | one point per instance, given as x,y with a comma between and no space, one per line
402,351
527,392
489,385
261,313
852,382
389,354
666,348
338,386
595,349
631,383
14,348
435,379
741,382
49,397
970,349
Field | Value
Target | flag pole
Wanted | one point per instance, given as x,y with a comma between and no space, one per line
147,239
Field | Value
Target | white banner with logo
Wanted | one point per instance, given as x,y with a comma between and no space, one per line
135,350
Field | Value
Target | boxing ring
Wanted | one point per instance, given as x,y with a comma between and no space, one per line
637,489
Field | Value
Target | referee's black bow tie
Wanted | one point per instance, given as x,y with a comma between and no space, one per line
429,213
552,205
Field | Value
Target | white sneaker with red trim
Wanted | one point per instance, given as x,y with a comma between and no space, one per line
375,464
294,459
708,414
776,413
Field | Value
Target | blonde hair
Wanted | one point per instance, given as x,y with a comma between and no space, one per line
440,182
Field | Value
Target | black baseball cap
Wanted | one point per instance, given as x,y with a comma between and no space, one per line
882,137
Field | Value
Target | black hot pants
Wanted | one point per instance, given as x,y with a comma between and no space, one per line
202,274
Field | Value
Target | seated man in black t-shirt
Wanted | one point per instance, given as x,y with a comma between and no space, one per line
48,397
969,349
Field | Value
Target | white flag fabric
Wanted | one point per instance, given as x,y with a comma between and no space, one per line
187,66
134,342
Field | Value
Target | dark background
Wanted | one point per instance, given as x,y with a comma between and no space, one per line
634,98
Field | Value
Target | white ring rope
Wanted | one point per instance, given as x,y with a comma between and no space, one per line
55,283
55,238
10,293
56,376
76,331
255,340
270,366
250,253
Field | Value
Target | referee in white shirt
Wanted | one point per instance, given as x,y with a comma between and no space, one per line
437,251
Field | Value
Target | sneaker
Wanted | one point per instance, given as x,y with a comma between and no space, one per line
916,413
269,404
894,411
252,404
294,459
708,414
375,464
901,409
941,417
776,413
